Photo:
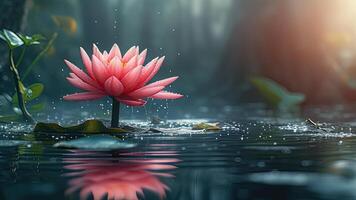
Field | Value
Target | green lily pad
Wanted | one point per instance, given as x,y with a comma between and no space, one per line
276,95
95,142
90,126
207,127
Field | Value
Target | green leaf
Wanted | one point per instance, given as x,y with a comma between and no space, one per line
276,95
31,40
90,126
36,91
37,107
207,126
30,93
11,38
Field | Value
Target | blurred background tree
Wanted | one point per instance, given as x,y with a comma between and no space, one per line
214,45
13,17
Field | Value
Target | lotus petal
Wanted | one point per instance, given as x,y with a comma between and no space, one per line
83,96
82,75
130,80
142,57
115,51
131,102
155,69
113,86
100,71
77,82
130,65
147,70
129,54
163,82
166,95
97,52
145,92
87,62
115,67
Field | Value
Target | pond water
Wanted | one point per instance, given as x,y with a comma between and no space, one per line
257,155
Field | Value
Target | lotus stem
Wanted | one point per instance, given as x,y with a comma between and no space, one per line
115,114
25,114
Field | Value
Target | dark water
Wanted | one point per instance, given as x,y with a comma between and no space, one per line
257,155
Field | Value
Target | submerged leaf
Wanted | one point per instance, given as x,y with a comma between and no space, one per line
276,95
207,127
97,142
90,126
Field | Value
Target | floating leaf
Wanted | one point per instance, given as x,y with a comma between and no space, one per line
97,142
276,95
207,127
90,126
31,93
11,38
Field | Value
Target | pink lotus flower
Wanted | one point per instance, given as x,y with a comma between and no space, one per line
122,77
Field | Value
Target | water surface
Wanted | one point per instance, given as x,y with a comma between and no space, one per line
257,155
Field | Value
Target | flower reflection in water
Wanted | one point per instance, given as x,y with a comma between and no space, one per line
119,178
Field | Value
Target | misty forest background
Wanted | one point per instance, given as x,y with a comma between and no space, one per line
215,46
